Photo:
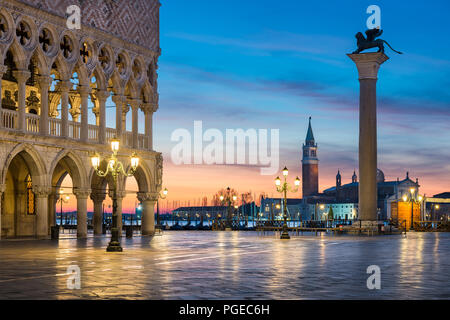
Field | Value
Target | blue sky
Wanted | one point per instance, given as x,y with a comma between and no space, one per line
265,64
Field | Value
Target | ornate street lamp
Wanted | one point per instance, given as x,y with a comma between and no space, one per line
229,200
115,168
412,199
283,188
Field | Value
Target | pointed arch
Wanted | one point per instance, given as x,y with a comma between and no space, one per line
75,166
32,159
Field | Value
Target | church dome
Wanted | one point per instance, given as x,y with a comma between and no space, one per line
380,176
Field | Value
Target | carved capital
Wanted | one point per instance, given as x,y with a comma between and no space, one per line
368,64
134,103
102,95
149,107
21,75
84,91
82,193
147,196
44,82
119,99
41,191
98,197
65,85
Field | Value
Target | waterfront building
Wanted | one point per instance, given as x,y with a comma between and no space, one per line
57,86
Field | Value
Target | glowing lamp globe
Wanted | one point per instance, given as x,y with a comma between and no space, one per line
95,160
278,181
134,161
115,144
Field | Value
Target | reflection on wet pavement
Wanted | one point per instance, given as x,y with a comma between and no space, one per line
229,265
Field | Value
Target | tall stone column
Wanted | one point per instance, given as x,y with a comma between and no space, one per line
41,193
368,65
148,201
3,70
65,86
102,96
119,101
44,83
82,196
2,190
52,198
98,199
149,109
22,76
84,93
135,123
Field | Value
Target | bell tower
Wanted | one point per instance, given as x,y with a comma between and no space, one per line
310,165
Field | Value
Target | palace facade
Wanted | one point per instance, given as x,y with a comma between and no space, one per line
58,87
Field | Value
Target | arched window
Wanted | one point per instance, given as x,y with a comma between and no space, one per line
30,197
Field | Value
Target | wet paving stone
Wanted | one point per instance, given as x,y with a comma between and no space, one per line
228,265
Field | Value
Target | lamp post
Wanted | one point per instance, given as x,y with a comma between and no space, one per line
160,196
115,168
283,188
229,200
62,200
412,199
433,211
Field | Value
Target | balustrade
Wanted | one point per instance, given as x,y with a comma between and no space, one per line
32,121
9,120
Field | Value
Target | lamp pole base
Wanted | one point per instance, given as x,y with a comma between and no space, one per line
285,235
114,246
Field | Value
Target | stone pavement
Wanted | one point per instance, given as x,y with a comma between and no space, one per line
229,265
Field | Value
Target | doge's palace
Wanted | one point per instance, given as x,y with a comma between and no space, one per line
58,86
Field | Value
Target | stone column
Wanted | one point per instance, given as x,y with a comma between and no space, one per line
120,196
65,86
148,201
44,83
119,101
22,77
98,199
149,109
368,65
52,198
2,190
3,70
82,196
41,194
102,96
84,93
135,128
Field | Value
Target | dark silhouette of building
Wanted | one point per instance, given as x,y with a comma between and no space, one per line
310,165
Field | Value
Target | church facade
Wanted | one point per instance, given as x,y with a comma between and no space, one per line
55,86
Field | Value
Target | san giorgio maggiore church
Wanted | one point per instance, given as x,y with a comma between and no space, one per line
58,87
342,198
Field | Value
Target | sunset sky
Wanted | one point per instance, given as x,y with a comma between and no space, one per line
265,65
